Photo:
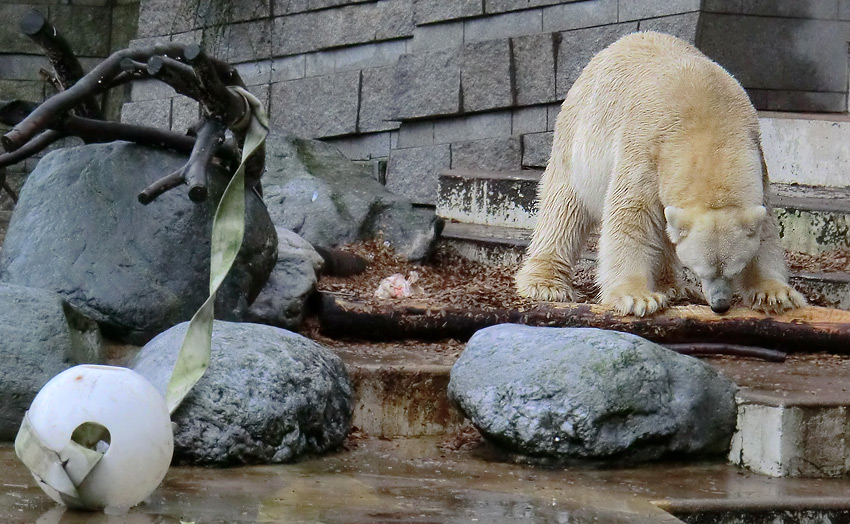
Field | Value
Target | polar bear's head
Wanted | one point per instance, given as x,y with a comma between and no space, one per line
716,245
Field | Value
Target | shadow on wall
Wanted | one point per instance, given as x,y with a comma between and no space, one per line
786,64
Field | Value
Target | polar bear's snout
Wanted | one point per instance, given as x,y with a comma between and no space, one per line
718,292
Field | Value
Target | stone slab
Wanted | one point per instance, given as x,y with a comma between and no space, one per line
430,11
641,9
473,127
82,27
536,149
534,64
153,113
503,25
486,76
242,42
501,6
493,153
825,9
468,196
347,25
327,105
813,52
412,172
576,15
434,37
427,84
364,56
682,26
415,133
576,48
525,120
376,97
288,7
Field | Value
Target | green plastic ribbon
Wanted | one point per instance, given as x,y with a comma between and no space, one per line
66,469
62,470
227,233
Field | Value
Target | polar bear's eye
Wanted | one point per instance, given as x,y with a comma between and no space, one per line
703,272
731,271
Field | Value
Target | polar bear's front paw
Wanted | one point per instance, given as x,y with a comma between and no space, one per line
773,296
545,286
636,302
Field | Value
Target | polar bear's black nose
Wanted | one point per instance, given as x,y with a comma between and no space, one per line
721,306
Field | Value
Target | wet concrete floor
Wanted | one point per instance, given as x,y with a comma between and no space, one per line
422,481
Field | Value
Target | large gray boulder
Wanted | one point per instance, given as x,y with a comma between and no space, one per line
313,189
40,336
79,230
268,396
293,280
582,393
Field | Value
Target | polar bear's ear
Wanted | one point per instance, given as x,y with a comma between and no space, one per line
752,219
677,223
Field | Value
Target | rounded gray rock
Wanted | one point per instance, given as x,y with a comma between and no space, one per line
79,230
40,336
283,300
583,393
269,396
312,189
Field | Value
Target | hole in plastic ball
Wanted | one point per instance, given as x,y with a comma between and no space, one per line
93,436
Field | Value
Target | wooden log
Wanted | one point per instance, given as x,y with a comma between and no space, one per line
809,329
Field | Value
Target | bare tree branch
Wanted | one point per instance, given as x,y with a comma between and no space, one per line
210,137
205,79
33,147
161,186
4,185
53,108
65,64
214,94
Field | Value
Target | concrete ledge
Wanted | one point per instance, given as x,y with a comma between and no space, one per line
791,441
812,219
403,400
806,148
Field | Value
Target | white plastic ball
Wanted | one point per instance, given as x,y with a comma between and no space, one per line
130,408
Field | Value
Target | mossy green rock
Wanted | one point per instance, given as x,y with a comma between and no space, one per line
582,393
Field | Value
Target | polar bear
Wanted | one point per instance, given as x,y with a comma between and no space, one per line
662,147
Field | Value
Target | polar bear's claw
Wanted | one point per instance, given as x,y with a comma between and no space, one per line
542,281
773,296
639,304
546,291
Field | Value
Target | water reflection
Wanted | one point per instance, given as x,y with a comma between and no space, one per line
62,515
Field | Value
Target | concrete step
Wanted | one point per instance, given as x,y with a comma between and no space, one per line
809,149
812,219
792,418
505,246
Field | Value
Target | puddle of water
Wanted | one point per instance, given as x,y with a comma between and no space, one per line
375,483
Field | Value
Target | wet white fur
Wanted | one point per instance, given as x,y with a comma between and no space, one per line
652,123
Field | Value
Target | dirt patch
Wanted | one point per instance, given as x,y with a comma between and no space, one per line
830,262
449,280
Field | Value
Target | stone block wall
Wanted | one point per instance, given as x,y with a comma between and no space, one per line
93,28
417,86
413,86
791,55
